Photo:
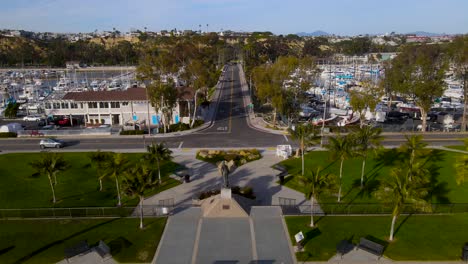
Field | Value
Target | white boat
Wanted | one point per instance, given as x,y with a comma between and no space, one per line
63,84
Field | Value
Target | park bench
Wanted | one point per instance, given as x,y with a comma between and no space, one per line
103,250
79,248
371,246
36,133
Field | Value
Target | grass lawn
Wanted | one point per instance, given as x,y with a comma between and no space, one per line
434,237
448,190
77,187
457,147
44,241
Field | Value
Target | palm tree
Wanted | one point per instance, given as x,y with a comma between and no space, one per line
366,139
156,153
306,136
340,149
115,166
50,164
99,159
414,149
399,190
461,166
137,180
315,184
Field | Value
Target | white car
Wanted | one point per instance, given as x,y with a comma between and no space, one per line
32,118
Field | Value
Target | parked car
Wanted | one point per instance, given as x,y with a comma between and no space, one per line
50,143
32,118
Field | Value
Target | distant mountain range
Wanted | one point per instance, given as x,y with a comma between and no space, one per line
317,33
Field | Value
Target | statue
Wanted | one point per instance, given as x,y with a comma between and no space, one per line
224,170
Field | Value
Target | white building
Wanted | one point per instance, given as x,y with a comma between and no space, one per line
118,107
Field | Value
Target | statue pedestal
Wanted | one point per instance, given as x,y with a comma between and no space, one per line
226,193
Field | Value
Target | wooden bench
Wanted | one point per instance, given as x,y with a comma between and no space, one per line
371,246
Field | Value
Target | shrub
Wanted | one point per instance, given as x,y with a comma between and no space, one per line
240,157
8,134
132,132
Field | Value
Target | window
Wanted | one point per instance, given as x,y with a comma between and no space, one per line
115,105
48,106
124,103
92,105
64,105
81,105
103,105
73,105
56,105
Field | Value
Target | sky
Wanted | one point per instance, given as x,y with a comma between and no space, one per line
342,17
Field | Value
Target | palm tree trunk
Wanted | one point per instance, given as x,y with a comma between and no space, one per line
100,185
312,211
424,121
53,190
274,117
362,171
465,101
393,226
159,171
141,211
55,178
302,154
119,203
341,173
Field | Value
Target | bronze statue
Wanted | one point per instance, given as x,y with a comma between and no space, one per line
224,170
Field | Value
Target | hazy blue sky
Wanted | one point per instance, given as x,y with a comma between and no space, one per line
279,16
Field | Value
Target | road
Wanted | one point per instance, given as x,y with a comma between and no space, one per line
229,129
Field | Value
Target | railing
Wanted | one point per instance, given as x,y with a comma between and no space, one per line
66,132
86,212
372,208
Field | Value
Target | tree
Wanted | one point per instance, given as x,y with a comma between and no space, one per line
459,56
50,164
419,72
99,159
11,110
368,98
461,166
306,136
157,153
315,184
115,167
340,149
413,150
398,190
137,180
366,139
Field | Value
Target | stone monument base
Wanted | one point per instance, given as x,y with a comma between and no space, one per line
226,193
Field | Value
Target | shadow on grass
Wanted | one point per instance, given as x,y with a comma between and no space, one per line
401,224
378,241
119,244
5,250
57,242
311,234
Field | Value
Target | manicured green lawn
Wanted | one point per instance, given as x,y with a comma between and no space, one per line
44,241
447,190
423,237
457,147
78,186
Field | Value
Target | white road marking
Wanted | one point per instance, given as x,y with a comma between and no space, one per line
286,138
180,145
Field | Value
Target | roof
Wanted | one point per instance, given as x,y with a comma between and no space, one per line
131,94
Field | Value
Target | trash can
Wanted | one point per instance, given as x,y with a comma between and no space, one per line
187,178
281,178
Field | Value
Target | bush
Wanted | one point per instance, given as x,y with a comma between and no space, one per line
240,157
8,134
132,132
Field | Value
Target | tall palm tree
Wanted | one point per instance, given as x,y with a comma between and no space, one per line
399,190
115,166
306,136
414,148
315,184
99,159
50,164
137,180
461,166
156,153
340,149
366,139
